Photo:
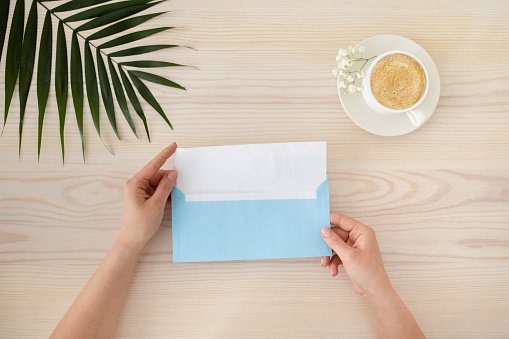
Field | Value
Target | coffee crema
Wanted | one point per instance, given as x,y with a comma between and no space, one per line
397,81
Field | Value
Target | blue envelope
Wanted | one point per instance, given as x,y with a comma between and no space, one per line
250,202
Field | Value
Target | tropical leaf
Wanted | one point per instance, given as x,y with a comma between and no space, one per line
107,18
148,96
114,16
101,10
119,93
92,89
140,50
131,37
4,15
150,64
123,26
76,4
134,99
77,86
156,79
26,67
61,81
106,92
44,75
13,57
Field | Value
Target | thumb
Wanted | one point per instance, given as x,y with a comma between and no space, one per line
164,188
335,242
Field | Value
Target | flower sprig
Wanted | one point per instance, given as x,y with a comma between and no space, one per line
351,80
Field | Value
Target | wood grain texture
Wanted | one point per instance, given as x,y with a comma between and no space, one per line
438,197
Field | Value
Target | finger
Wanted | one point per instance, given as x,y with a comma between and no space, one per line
164,188
151,169
352,227
350,242
325,261
335,242
150,190
333,266
154,181
342,233
345,223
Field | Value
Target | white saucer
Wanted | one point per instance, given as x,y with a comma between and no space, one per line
371,121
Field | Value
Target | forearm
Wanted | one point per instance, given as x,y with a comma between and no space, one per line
94,313
393,318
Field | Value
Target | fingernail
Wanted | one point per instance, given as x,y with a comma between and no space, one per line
172,175
326,232
331,271
321,262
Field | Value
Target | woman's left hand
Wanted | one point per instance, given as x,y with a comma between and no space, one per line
146,195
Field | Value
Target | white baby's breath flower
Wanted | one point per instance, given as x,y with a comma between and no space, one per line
347,75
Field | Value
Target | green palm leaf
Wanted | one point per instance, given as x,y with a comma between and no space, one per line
134,99
4,15
106,92
92,90
131,37
101,10
13,57
26,67
123,26
76,4
148,96
150,64
107,18
140,50
77,86
44,75
61,81
156,79
114,16
119,93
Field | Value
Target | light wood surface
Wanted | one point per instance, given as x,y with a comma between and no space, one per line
438,198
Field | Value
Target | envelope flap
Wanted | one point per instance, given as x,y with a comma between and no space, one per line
262,171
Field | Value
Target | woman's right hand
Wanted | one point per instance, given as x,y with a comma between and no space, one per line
355,247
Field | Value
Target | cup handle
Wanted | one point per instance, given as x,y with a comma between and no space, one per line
416,117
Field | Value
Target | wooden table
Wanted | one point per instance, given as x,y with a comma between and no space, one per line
438,197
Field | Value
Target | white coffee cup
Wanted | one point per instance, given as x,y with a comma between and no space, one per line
413,112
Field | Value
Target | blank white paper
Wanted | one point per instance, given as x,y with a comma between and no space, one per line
251,172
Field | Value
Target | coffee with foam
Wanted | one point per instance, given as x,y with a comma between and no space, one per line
397,81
